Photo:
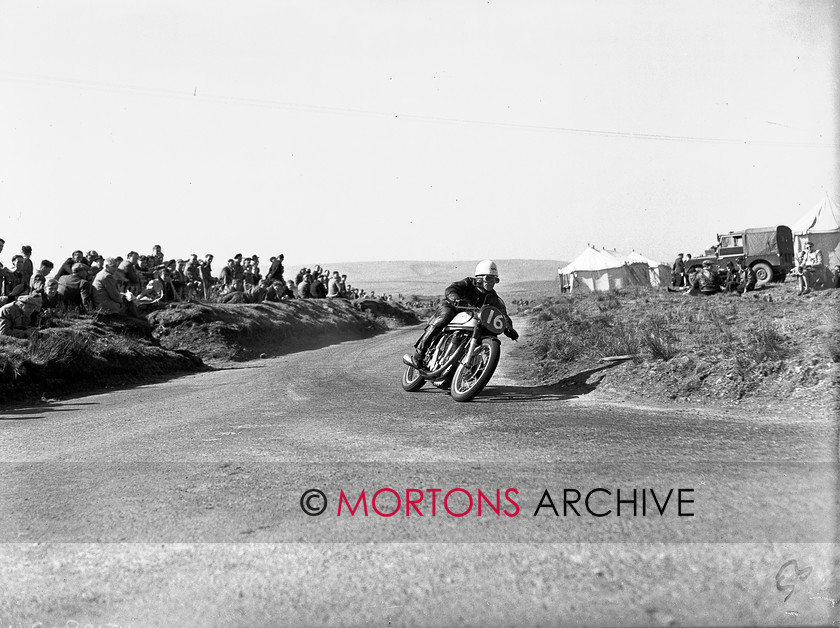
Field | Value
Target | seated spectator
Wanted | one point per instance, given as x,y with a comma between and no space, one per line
730,284
52,302
13,284
705,281
334,290
107,296
809,268
746,277
305,287
151,293
227,274
291,290
39,278
835,277
317,289
131,271
16,316
236,294
76,289
66,268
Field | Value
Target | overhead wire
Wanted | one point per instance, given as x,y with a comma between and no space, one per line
193,94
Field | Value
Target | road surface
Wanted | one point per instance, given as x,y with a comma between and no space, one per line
179,503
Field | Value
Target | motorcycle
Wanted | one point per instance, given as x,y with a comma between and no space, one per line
464,356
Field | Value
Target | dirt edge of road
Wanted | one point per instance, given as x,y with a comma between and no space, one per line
86,353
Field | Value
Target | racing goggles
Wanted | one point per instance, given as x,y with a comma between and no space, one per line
487,279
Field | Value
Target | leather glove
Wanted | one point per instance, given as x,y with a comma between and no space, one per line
455,300
512,334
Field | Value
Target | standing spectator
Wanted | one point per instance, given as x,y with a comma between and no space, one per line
686,271
206,268
27,269
677,271
157,256
275,272
238,269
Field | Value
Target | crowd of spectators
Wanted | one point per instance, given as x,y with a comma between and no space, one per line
125,286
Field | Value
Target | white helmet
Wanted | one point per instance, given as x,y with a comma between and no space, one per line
487,267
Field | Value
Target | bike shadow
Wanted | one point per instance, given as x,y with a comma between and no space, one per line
567,388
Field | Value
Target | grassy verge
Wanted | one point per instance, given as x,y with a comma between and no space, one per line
82,353
771,345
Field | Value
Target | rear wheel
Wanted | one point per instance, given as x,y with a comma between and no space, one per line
470,379
763,273
412,381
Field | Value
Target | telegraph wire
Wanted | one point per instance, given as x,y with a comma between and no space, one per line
323,109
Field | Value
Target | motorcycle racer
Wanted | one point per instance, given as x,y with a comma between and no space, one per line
473,291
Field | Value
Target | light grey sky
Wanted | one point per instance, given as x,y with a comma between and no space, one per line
376,130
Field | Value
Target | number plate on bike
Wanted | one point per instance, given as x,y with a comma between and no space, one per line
492,319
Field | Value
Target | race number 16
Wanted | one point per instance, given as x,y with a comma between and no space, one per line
493,319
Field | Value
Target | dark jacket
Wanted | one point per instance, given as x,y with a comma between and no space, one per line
466,290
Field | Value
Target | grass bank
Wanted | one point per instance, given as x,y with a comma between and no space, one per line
83,353
769,348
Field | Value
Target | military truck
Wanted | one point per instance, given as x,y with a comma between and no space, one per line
767,250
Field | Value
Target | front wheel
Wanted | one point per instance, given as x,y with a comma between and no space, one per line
412,381
471,379
763,273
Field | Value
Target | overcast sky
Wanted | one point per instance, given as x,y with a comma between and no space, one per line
440,130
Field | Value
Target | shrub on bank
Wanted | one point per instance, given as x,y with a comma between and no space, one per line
682,346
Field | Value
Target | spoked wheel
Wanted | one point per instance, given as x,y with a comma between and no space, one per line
412,381
471,379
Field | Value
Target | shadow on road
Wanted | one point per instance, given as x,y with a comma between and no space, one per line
567,388
30,412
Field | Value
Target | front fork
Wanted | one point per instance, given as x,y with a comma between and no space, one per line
475,341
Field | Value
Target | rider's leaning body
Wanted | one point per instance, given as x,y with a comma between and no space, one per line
474,291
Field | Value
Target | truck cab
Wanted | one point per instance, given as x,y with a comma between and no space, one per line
767,250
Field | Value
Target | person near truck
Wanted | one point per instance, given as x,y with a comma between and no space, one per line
809,267
677,271
746,277
705,281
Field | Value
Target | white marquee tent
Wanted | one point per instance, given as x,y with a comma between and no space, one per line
821,225
660,272
601,270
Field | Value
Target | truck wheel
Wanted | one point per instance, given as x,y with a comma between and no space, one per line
763,273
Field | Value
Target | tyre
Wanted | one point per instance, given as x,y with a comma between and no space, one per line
471,379
763,273
412,381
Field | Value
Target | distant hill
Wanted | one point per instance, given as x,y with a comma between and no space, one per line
430,278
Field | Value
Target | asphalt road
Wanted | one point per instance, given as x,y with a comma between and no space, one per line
179,503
